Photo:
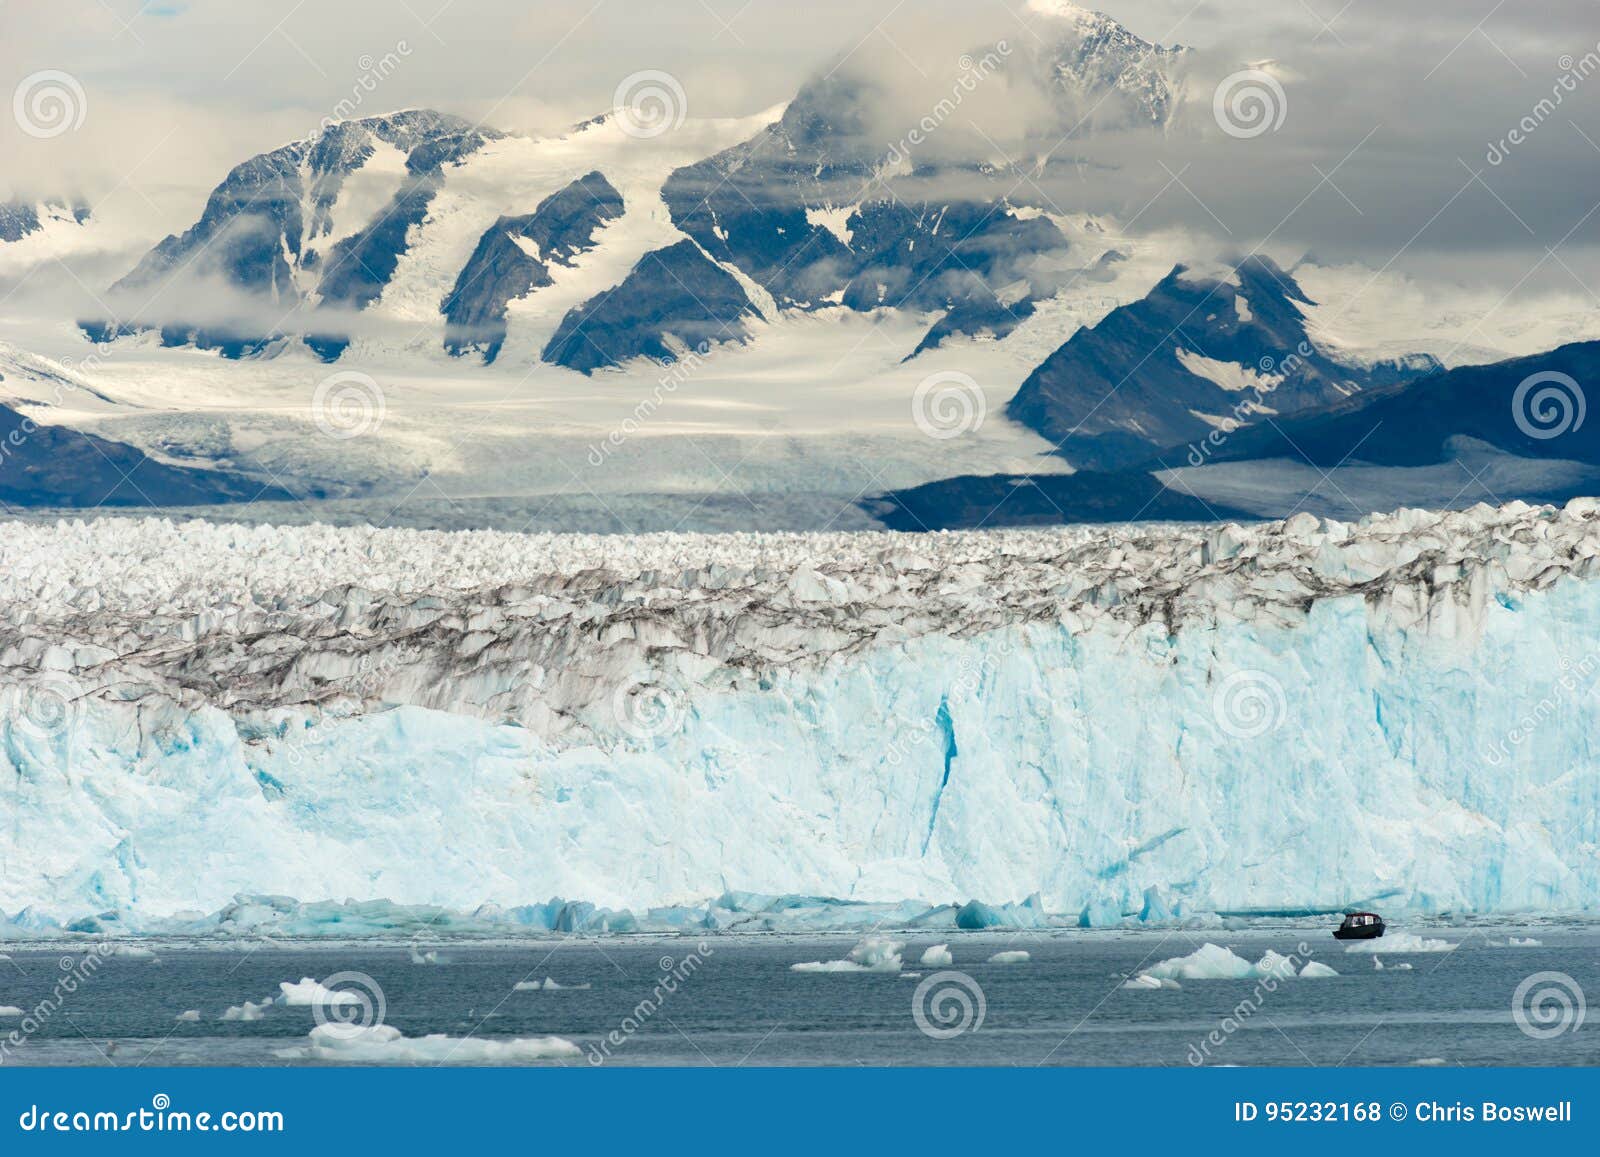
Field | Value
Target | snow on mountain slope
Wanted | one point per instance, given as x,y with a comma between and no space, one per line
1299,715
1363,315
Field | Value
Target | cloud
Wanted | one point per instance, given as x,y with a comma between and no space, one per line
1392,112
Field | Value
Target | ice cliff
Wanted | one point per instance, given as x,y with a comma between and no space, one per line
1141,722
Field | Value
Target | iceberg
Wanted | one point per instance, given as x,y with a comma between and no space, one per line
248,1011
311,993
1314,970
10,1011
385,1045
1401,943
1123,722
545,985
874,954
937,957
1144,982
1213,962
1015,956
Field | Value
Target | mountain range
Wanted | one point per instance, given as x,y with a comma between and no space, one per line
418,245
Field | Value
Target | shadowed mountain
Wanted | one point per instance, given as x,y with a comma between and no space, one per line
514,256
268,234
55,466
675,299
1204,351
1516,429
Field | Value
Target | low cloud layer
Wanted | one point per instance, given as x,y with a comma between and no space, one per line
1431,132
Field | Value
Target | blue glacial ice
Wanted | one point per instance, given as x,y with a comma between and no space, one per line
1091,725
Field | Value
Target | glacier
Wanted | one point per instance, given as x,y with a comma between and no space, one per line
1090,724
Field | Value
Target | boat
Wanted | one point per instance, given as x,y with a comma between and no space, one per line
1360,926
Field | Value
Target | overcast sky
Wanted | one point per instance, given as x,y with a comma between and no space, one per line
1397,102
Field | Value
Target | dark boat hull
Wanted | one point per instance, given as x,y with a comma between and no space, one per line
1366,932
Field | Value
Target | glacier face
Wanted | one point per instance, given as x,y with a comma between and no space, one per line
1127,721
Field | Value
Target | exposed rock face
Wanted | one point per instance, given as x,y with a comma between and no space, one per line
263,232
676,299
44,465
1204,351
514,256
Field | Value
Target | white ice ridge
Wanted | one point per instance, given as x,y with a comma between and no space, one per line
1132,722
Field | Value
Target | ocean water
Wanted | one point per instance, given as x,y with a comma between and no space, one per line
734,1000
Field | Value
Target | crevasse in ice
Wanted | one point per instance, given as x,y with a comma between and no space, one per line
1130,722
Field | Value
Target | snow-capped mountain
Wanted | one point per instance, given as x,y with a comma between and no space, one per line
813,210
1103,69
19,219
318,222
1513,430
821,283
1208,350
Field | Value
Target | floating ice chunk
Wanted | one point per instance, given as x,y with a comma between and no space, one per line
385,1045
10,1011
190,1017
429,957
545,985
310,993
1515,942
937,957
248,1011
874,954
911,976
1401,942
1429,1062
1016,956
130,952
1316,971
1213,962
1144,982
